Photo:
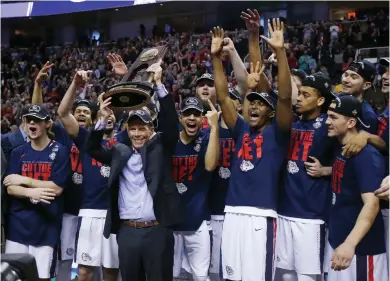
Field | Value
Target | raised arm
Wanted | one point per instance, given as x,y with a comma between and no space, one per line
212,153
167,117
240,72
229,112
93,146
252,21
65,109
284,115
37,97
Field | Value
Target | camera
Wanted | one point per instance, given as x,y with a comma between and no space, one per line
18,267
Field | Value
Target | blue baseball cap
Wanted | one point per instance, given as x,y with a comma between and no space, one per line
270,99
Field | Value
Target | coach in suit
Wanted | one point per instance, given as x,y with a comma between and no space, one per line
144,201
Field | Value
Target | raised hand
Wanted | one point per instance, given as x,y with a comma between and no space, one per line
228,45
157,71
81,77
42,74
253,77
118,66
276,31
212,116
104,107
252,20
217,42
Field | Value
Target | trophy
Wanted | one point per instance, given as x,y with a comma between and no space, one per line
136,88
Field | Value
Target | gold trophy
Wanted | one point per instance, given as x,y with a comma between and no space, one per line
136,88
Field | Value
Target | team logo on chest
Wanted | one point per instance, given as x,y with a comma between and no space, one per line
105,171
318,123
246,166
198,143
181,187
224,173
77,178
292,167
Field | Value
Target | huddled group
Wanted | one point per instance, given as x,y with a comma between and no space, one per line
245,183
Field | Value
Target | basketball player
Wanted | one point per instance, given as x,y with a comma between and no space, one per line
92,249
355,225
355,81
249,230
73,191
303,206
383,132
195,158
219,188
38,172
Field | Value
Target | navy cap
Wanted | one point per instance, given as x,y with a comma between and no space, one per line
364,68
320,82
384,62
348,105
271,99
141,114
298,72
234,94
82,102
38,111
191,103
205,76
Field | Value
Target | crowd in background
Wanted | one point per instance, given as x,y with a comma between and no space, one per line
322,46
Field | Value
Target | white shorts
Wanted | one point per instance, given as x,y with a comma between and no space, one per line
68,237
385,214
362,268
300,246
216,238
92,248
195,245
248,247
45,256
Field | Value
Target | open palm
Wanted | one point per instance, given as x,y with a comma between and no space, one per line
252,20
117,64
276,32
217,43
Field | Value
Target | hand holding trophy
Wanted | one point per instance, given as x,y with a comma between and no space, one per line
137,87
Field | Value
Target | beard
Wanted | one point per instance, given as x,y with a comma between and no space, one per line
108,131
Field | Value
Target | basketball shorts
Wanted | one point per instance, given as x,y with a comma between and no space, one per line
92,248
362,268
385,214
216,238
45,257
195,246
248,247
300,246
68,237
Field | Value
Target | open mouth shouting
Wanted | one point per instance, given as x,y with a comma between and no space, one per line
82,120
254,116
32,131
192,127
110,123
205,95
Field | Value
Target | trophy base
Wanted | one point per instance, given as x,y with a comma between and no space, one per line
129,95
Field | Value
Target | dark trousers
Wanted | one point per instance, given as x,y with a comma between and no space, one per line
145,253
